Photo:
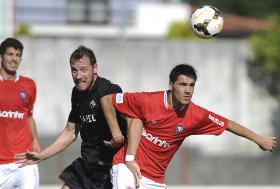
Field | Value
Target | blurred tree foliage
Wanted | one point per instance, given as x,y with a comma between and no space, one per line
252,8
265,66
23,30
180,30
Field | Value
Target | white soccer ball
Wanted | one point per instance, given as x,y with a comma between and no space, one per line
206,22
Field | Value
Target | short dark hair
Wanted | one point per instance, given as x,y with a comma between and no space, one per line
83,51
182,69
10,42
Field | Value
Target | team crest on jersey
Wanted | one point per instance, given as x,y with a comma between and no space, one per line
179,129
92,104
22,95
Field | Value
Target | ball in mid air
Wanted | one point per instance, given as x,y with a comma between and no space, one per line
206,22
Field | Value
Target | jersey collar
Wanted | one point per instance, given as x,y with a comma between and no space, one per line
15,80
165,98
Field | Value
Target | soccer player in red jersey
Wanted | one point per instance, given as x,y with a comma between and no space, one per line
168,118
17,126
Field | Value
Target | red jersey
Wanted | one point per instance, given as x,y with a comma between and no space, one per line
16,104
164,129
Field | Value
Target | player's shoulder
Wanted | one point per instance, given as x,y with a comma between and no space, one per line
27,80
146,94
105,85
194,106
154,94
196,110
103,81
148,97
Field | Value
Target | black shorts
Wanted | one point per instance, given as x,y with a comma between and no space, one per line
78,176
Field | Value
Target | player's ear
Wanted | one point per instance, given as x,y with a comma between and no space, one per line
95,68
170,85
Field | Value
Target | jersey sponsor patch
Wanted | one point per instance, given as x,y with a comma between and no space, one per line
11,114
154,139
179,129
119,98
90,118
216,120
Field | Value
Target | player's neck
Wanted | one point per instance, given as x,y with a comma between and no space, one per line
172,103
94,80
7,76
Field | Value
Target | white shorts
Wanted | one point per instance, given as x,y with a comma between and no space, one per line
20,178
122,178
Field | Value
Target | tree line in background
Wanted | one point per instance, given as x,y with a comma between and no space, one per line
264,67
251,8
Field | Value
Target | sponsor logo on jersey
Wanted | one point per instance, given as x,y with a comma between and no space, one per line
155,139
11,114
119,98
179,129
216,120
88,118
92,104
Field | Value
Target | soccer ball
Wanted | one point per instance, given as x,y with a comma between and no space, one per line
206,22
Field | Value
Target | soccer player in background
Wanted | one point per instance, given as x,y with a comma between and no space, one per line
168,118
17,126
92,169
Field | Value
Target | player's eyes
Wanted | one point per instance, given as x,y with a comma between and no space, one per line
84,70
73,70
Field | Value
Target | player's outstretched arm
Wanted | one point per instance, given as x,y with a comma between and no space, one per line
111,118
135,128
266,143
66,138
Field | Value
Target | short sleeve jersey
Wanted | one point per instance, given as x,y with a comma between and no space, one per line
164,129
89,120
16,105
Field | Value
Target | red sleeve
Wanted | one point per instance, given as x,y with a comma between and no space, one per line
130,104
32,98
211,123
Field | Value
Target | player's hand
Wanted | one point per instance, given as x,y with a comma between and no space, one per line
27,158
267,143
135,169
115,142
